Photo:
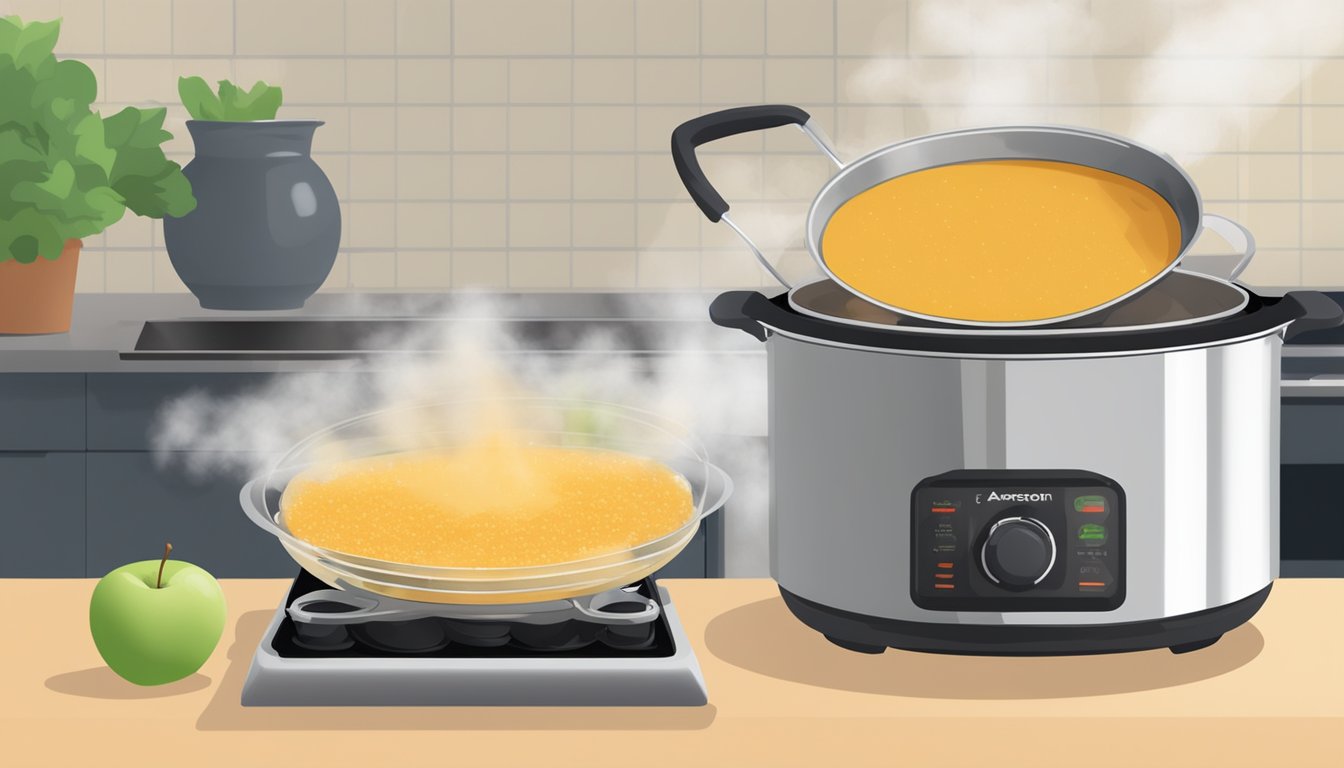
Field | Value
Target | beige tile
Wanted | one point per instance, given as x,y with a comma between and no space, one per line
1325,83
288,28
538,177
879,80
1073,81
420,270
480,225
653,129
604,81
667,81
1271,177
81,28
859,130
480,81
494,27
1320,269
1218,177
658,179
373,270
736,177
669,269
305,81
334,133
667,27
604,177
870,27
202,27
605,27
539,225
1323,176
91,272
1112,28
732,27
426,129
540,81
480,269
540,129
372,176
370,27
604,225
424,26
721,270
668,225
1322,129
144,82
338,279
372,225
480,129
719,237
1323,225
345,230
425,81
604,129
370,81
1275,268
165,277
732,81
428,177
1238,21
609,270
1276,225
425,225
795,178
538,269
800,27
129,272
131,232
336,167
790,81
1274,129
139,27
480,177
373,128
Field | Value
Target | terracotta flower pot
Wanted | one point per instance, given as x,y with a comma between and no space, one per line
38,297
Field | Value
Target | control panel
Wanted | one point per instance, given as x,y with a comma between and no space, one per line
1017,540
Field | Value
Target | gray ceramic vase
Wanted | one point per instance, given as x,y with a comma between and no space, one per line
266,226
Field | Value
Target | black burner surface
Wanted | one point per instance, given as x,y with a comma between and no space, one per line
454,638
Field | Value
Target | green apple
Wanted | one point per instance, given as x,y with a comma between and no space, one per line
156,621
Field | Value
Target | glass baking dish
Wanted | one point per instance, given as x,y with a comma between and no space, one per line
554,422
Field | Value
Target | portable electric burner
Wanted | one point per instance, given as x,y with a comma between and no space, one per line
348,647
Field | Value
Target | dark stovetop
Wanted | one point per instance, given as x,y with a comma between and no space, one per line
448,638
336,338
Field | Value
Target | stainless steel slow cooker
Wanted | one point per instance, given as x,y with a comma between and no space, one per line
1104,484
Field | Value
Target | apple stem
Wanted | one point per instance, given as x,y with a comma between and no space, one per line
167,547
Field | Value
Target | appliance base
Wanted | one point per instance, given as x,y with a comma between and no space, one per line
870,634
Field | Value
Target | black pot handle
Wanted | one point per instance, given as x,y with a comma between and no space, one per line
1315,312
720,125
728,310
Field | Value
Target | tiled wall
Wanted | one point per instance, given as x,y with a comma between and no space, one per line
523,143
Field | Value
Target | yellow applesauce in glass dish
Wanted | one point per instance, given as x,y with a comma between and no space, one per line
493,502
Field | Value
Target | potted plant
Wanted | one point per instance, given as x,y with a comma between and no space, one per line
267,226
66,173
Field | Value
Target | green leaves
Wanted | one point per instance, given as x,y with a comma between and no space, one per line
65,172
232,104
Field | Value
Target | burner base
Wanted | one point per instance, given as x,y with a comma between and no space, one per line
530,681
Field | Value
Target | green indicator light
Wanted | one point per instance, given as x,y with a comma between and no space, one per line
1089,504
1092,532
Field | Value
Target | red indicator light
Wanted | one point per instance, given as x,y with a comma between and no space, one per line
944,586
944,510
944,565
1091,583
942,575
1093,509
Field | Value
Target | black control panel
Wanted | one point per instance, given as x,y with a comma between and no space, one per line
1018,540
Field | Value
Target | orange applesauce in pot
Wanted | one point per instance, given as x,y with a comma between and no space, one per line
1001,240
495,502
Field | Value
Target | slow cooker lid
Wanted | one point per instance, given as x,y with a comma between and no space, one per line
1179,298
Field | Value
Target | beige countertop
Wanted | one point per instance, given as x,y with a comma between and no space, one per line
1270,693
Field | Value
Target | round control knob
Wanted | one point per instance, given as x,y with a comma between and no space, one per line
1018,552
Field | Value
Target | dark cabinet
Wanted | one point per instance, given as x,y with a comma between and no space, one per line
41,514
